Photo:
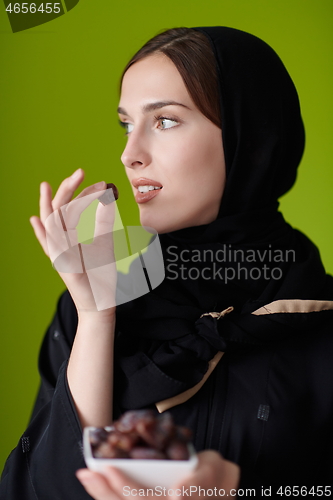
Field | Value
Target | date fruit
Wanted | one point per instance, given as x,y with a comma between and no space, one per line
141,434
111,194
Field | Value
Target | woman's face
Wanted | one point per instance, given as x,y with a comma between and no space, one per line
171,145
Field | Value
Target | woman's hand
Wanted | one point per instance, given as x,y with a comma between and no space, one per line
88,271
211,472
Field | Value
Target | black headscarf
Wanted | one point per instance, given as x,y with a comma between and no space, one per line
163,346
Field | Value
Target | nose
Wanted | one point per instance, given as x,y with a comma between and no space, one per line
136,153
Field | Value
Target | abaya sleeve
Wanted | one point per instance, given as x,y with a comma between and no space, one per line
43,464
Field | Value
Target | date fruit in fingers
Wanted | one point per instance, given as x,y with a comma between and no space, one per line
111,194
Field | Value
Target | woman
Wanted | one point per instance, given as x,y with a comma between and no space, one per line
213,123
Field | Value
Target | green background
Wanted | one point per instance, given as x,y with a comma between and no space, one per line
58,87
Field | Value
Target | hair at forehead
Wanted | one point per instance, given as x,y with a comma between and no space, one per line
191,53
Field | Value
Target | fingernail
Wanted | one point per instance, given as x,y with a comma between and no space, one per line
99,185
76,174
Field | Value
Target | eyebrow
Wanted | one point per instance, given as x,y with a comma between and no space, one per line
147,108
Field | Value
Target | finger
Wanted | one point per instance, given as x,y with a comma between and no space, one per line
105,216
62,235
45,201
212,467
74,209
212,471
118,480
39,231
67,188
231,475
96,485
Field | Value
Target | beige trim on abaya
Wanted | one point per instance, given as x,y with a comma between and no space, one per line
278,306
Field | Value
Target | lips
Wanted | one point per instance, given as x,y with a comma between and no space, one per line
143,181
145,197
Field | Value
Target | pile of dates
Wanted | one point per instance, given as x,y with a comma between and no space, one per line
141,434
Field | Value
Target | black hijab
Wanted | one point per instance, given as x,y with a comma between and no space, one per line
163,346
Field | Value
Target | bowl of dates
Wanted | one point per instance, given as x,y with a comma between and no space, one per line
150,448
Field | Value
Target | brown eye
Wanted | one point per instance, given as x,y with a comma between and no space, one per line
166,123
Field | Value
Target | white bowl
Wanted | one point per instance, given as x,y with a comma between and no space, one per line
151,473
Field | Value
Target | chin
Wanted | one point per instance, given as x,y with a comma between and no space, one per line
158,221
152,227
159,226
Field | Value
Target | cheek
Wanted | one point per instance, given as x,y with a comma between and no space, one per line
199,163
196,174
184,158
206,176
